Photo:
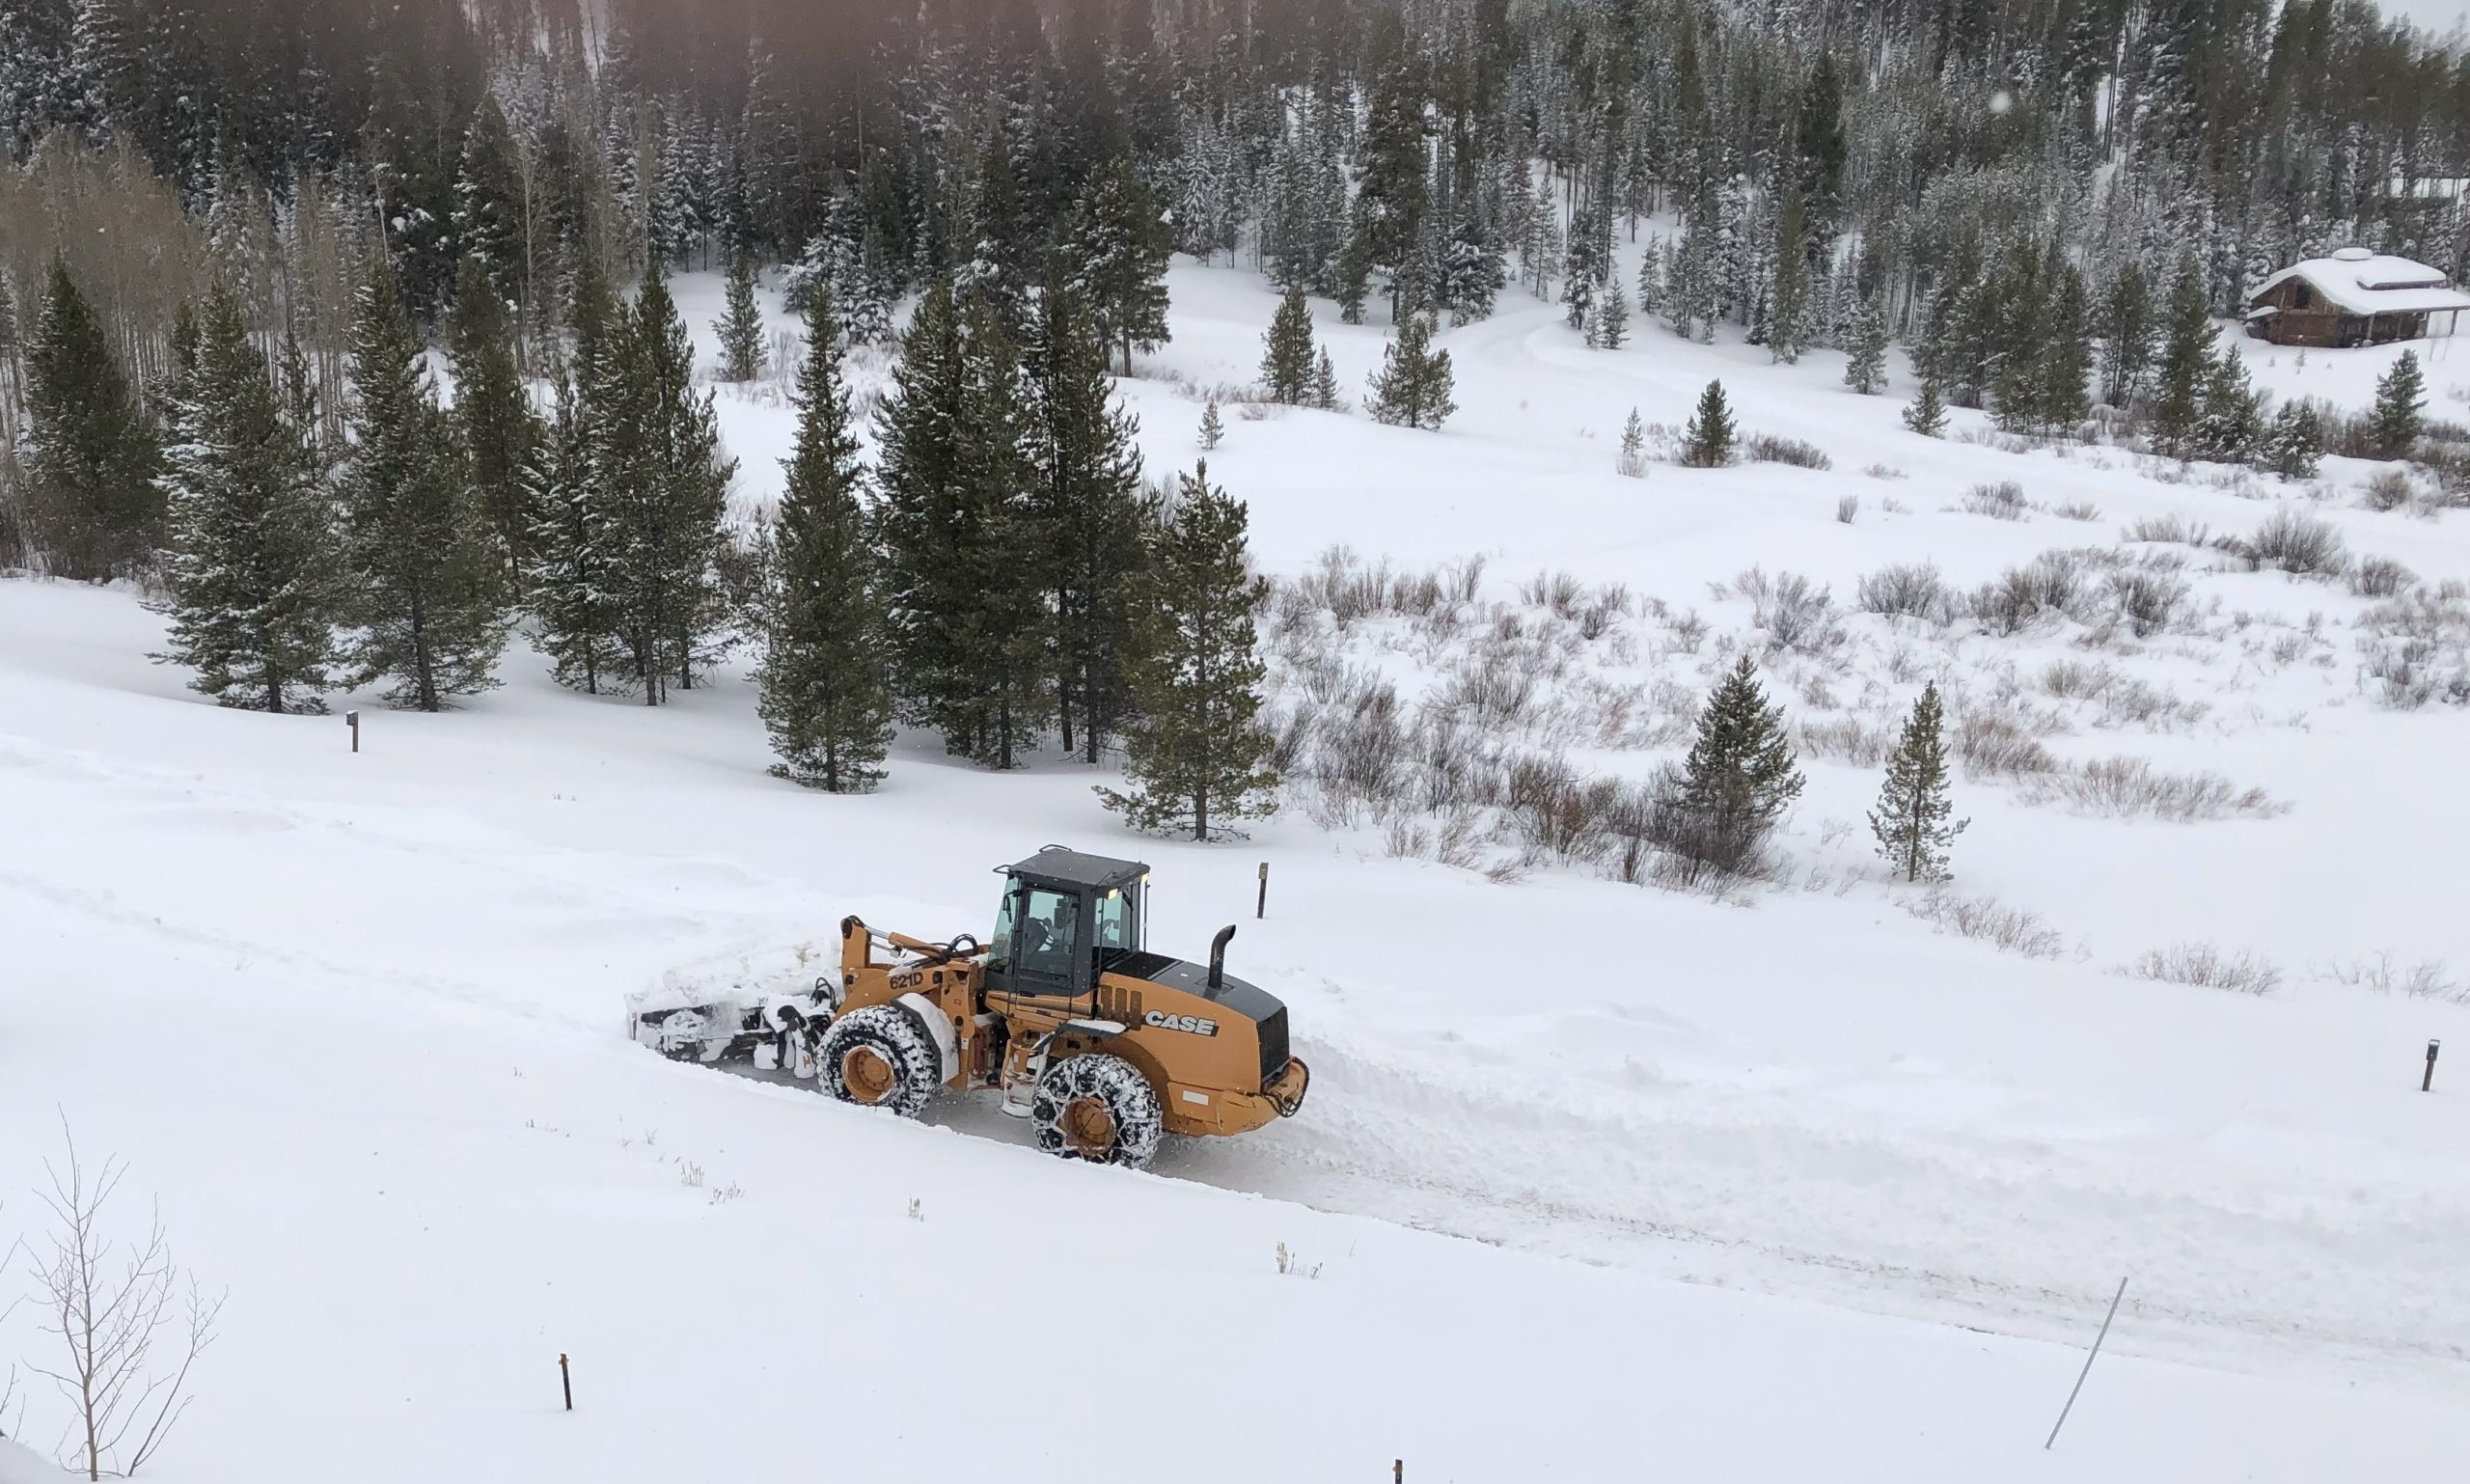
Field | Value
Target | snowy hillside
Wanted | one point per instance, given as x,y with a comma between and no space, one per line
1811,1181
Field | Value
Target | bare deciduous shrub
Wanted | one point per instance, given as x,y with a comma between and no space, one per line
1558,592
2147,599
2168,530
2051,583
1884,471
2008,930
2381,577
1847,507
1793,612
2076,510
2429,978
1771,448
2416,648
2208,967
2133,789
1995,743
2078,680
1913,591
2296,543
109,1311
1846,739
2001,501
2390,489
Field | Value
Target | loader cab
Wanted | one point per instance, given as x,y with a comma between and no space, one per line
1064,918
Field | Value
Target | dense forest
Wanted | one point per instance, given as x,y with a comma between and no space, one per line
303,195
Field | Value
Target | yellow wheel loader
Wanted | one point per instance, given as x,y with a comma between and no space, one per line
1102,1045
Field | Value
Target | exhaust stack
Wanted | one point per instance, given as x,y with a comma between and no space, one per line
1217,955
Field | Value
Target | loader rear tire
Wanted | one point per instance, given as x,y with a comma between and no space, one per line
879,1058
1097,1108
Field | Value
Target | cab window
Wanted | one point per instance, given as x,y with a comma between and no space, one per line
1050,931
1118,913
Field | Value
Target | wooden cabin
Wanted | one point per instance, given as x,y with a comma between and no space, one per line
2354,297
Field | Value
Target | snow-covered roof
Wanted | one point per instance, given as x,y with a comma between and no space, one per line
2358,282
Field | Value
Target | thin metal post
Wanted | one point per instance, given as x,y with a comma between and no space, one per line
353,718
565,1379
2088,1364
1261,903
2427,1083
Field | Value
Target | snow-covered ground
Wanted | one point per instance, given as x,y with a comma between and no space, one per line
356,1019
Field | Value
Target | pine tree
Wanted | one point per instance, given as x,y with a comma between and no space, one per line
488,209
1118,250
1286,362
1913,821
2061,400
964,582
1612,317
2231,427
1632,463
2127,335
92,503
1788,290
2295,443
493,418
661,481
424,563
826,686
1739,776
1413,387
570,555
251,571
1707,442
2187,363
1091,516
740,327
1198,756
1324,383
1866,370
2401,395
1926,413
1213,427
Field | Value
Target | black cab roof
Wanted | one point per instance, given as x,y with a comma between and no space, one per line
1066,867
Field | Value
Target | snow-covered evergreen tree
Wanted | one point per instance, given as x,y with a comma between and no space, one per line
493,419
1914,821
1286,360
826,688
1324,382
90,456
570,549
1926,413
1197,756
1412,389
740,327
1866,370
661,483
1739,776
2294,446
253,577
1707,442
425,571
2394,423
1090,516
1119,255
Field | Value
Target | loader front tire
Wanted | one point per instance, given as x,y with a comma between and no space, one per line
1097,1108
879,1058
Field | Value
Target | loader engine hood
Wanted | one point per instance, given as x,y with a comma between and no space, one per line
1236,1000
